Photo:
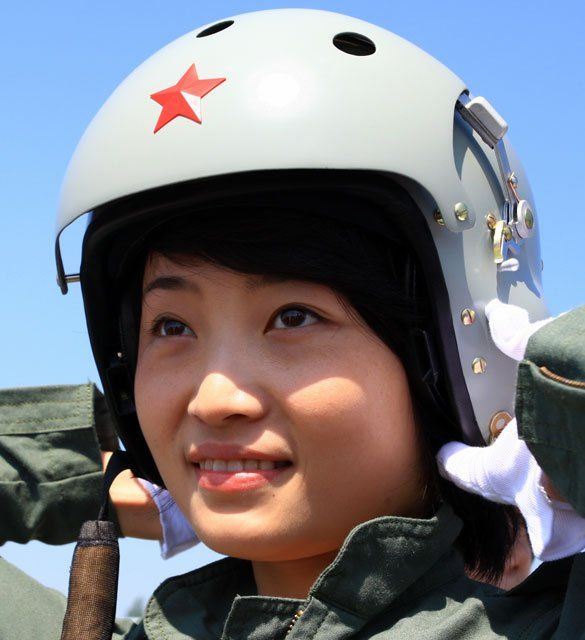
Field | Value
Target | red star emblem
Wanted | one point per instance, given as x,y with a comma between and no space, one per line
184,98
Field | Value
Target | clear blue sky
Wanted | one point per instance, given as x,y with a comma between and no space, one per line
60,60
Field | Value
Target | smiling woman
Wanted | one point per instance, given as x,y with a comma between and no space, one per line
234,385
254,349
286,307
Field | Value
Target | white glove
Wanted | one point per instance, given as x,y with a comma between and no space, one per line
506,471
510,327
178,534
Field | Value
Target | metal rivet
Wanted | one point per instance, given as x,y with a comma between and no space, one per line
507,233
513,180
529,219
438,216
479,365
468,317
498,423
461,211
491,221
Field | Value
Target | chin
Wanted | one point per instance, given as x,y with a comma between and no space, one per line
259,543
254,548
247,542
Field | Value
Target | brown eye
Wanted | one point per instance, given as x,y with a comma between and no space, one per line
294,317
169,327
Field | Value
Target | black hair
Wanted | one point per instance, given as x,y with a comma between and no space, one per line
378,278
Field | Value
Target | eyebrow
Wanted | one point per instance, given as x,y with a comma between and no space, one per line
170,283
264,280
178,283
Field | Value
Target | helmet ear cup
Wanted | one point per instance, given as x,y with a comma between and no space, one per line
129,323
428,387
129,326
425,360
120,387
119,379
426,373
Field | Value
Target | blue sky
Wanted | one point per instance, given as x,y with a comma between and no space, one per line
59,61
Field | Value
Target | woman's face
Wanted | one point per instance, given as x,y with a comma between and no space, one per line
277,421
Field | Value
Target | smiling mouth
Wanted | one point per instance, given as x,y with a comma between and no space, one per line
236,466
238,475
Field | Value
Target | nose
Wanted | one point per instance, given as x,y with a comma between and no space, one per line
219,400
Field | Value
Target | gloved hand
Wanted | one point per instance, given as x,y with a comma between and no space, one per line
178,534
510,327
506,471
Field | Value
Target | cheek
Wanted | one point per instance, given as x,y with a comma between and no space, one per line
358,457
323,409
358,427
158,402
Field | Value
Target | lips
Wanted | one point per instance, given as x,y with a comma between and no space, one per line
230,468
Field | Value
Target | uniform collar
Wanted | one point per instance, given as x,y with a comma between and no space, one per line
381,562
382,558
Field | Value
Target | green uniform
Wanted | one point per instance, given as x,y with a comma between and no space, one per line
393,578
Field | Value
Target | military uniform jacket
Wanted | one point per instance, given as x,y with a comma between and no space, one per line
393,577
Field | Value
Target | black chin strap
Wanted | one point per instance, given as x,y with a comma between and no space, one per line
93,581
118,462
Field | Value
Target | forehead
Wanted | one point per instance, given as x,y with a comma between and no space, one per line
162,272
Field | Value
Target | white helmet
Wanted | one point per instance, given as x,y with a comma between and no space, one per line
302,90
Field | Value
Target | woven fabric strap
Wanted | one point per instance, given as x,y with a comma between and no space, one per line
93,581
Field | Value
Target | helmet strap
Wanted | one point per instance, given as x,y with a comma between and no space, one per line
93,581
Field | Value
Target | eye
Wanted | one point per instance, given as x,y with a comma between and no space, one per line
169,327
294,317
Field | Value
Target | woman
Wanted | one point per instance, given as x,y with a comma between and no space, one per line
285,312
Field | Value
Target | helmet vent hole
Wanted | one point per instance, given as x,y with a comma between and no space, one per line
215,28
354,43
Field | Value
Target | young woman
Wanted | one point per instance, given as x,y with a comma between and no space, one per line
285,284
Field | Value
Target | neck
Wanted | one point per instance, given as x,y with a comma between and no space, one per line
290,578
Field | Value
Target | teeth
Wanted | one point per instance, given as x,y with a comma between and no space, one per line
239,465
219,465
235,465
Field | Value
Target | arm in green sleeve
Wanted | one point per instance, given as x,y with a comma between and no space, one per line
31,611
50,466
50,482
550,403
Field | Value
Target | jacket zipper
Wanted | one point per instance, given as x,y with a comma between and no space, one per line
557,378
295,619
